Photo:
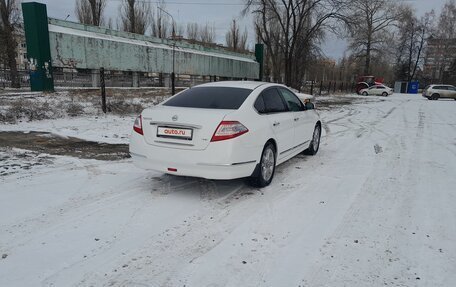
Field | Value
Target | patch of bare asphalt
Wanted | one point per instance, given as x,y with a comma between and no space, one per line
44,142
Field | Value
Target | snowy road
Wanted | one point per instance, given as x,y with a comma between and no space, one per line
375,207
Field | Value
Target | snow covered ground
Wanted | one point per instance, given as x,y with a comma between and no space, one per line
375,207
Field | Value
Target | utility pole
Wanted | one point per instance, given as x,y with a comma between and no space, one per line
103,90
173,75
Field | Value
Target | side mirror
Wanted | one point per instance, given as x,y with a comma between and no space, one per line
310,106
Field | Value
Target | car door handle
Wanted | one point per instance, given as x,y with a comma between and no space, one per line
276,124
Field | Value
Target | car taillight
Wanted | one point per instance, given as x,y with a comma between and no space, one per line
228,130
137,127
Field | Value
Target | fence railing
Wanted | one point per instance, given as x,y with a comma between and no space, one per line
5,78
327,87
89,78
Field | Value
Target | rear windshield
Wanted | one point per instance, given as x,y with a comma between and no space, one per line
210,98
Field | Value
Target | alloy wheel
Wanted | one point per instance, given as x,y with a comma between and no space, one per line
267,164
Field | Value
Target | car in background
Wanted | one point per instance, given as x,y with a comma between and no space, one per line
225,130
435,92
377,90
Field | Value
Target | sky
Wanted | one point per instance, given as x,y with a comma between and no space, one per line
219,13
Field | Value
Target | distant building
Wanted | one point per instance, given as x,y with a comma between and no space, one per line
21,50
439,57
21,57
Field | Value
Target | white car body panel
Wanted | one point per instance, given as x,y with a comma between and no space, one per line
227,159
304,125
377,90
283,133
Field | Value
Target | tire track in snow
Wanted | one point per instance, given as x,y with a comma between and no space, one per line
206,204
352,217
382,260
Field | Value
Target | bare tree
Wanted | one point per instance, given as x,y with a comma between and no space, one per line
192,31
134,16
451,78
3,54
447,20
207,34
203,34
412,36
425,30
372,21
160,22
82,11
180,29
234,39
446,33
110,25
90,11
290,28
9,21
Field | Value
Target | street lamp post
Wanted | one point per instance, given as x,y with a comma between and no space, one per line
173,87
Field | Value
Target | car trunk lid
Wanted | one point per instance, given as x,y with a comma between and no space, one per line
182,128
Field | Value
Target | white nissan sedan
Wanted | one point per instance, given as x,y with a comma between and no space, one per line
225,130
377,90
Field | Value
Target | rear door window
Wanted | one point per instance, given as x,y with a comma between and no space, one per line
273,101
227,98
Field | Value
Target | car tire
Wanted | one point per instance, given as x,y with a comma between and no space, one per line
385,94
365,94
264,172
315,142
435,97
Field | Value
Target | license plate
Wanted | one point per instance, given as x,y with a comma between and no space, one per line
179,133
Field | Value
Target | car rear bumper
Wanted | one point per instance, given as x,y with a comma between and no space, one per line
221,160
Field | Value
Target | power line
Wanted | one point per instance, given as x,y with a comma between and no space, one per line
190,3
216,3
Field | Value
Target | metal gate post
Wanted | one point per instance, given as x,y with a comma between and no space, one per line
38,49
259,55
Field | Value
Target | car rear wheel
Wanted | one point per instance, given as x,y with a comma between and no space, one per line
315,143
265,170
365,94
385,94
435,97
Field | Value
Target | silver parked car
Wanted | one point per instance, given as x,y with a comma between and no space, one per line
435,92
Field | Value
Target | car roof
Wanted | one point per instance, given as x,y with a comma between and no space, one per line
442,85
234,84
